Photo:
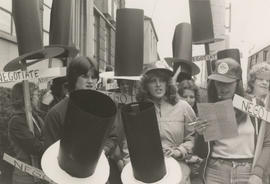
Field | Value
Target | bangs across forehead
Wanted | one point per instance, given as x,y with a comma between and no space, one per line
84,66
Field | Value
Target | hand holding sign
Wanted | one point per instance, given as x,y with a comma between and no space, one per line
221,120
199,125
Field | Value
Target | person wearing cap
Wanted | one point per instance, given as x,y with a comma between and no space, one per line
173,114
81,74
230,159
26,145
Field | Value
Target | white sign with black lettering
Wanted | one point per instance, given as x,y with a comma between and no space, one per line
27,168
120,97
43,75
204,57
250,108
18,75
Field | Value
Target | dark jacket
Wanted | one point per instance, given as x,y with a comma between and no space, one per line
25,143
54,122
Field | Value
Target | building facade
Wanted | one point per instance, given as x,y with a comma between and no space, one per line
262,55
150,41
92,32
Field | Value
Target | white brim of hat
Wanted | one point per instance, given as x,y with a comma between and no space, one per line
111,75
173,175
221,78
51,168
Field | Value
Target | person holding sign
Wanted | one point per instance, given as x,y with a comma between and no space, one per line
23,141
173,114
230,159
259,83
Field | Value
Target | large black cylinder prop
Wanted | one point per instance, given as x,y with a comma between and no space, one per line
143,138
89,118
26,15
60,27
201,21
182,42
129,42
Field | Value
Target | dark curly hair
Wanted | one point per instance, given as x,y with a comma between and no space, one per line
189,84
171,90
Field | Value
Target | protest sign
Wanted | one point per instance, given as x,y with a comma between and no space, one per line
26,168
251,108
43,75
221,119
6,77
112,85
120,97
204,57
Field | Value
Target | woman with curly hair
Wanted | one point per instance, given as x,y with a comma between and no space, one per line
257,84
258,88
188,90
173,114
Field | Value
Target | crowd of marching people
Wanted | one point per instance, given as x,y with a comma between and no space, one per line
158,134
175,107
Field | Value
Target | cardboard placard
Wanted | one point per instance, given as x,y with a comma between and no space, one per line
6,77
251,108
221,119
27,168
204,57
42,75
120,97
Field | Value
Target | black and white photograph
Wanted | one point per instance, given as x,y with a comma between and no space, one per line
134,92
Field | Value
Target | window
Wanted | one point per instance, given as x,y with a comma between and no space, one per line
6,21
114,10
47,4
110,7
265,55
96,36
256,59
108,44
